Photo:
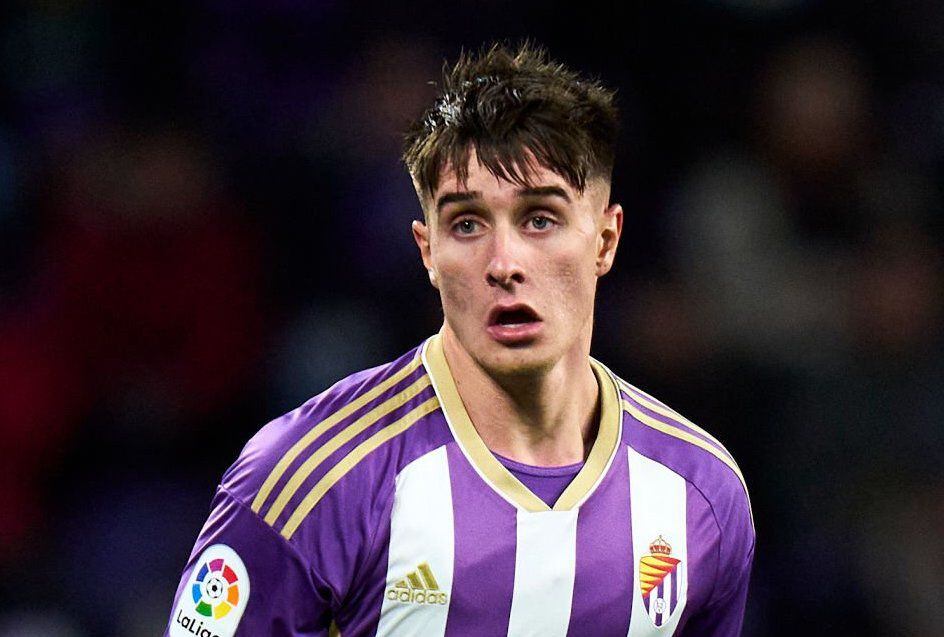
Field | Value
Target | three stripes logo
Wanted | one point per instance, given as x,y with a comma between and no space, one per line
418,587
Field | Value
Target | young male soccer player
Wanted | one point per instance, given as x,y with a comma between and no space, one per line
495,480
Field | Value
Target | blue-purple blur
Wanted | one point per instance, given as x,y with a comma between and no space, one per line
204,221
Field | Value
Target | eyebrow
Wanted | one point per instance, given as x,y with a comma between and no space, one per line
537,191
544,191
453,197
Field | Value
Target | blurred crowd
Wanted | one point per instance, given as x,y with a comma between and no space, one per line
204,221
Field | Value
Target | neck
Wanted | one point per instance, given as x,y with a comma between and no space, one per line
546,418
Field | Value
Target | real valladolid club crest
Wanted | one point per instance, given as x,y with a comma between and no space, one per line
659,580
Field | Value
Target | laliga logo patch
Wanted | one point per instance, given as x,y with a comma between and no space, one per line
215,597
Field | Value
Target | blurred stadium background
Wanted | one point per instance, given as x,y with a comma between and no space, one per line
204,221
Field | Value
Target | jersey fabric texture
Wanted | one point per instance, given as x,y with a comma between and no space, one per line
376,509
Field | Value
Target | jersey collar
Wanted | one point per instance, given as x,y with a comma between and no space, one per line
492,471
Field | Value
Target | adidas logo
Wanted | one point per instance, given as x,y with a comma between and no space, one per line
418,587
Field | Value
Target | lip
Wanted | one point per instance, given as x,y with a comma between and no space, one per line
513,333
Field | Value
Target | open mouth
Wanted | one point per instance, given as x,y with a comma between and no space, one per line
514,325
513,316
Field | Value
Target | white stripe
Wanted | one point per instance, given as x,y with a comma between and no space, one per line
657,506
421,530
545,566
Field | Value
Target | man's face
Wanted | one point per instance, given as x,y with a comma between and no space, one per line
517,267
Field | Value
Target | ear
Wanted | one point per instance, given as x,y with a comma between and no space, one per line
608,238
421,236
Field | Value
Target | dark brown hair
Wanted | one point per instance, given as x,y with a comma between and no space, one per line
504,103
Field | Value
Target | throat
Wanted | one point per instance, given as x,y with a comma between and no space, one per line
544,420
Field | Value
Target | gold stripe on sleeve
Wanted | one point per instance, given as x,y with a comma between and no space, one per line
335,443
649,403
681,434
315,432
357,454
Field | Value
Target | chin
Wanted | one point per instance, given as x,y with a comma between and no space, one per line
501,361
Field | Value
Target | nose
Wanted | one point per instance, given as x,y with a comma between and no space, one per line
504,268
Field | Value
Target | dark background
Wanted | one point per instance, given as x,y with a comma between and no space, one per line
204,221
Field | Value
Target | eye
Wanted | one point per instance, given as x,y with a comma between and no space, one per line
466,226
540,222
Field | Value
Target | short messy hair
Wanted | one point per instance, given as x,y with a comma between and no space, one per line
504,103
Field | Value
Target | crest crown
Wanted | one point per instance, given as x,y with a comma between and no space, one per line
660,547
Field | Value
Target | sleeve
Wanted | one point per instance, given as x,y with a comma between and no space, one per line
244,579
723,615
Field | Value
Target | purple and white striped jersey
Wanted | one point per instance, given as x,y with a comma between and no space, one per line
376,509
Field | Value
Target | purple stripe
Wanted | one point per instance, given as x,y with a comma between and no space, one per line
679,424
484,575
360,614
660,594
703,548
603,583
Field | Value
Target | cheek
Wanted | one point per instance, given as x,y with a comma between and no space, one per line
455,298
455,286
575,285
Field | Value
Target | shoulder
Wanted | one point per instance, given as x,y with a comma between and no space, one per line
347,441
658,432
655,431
